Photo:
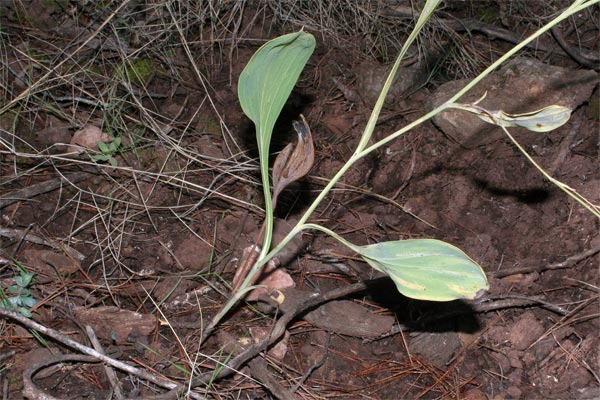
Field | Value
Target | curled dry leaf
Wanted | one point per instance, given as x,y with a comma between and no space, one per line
87,138
291,165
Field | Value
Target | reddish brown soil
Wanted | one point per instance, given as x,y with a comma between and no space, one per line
141,254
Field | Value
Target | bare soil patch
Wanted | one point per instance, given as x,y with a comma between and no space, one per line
140,244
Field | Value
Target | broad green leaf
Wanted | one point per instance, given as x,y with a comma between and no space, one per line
114,145
27,277
267,81
427,269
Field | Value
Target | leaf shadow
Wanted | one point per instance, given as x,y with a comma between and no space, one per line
425,316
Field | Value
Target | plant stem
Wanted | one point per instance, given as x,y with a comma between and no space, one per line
362,150
595,210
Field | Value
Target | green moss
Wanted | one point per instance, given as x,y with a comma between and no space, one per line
488,15
139,72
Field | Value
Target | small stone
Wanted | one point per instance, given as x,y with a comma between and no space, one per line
87,138
436,348
514,392
514,358
474,394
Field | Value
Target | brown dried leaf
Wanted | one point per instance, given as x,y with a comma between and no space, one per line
249,256
290,166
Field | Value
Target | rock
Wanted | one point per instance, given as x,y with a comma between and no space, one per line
194,253
520,86
272,278
118,325
48,264
56,135
371,76
515,359
278,351
342,316
514,392
588,393
87,138
473,394
437,348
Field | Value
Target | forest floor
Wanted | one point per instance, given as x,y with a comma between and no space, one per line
139,240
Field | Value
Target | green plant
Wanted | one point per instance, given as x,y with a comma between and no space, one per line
19,296
107,151
424,269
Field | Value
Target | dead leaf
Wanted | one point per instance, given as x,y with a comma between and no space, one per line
290,166
249,256
87,138
47,263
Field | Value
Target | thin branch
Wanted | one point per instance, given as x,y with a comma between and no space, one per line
40,188
59,337
569,262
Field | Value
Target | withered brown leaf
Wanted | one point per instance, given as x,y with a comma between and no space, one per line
291,165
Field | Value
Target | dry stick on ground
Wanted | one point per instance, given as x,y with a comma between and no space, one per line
110,373
569,262
258,369
280,327
31,391
590,61
313,367
237,362
573,52
40,188
91,352
22,234
32,88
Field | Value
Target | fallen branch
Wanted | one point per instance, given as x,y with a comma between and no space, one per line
278,330
575,54
40,188
91,352
236,363
569,262
31,391
22,234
